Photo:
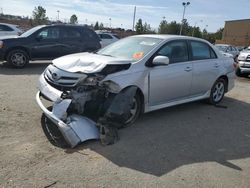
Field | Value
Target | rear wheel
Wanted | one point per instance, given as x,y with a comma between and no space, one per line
217,91
17,58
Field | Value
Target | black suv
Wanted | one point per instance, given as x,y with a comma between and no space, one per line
47,42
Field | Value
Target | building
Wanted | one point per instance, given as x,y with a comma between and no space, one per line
236,32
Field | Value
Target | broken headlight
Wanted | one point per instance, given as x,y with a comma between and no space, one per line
89,81
112,86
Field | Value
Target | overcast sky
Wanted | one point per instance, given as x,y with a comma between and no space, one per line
205,12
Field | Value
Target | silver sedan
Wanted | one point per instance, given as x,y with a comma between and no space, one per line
134,75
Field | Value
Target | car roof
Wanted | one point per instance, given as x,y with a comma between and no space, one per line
172,37
64,25
8,24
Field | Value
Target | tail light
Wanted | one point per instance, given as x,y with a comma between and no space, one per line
235,65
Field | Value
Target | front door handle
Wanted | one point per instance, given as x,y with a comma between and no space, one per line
187,69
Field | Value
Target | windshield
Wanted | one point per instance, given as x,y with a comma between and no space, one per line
31,31
221,48
131,48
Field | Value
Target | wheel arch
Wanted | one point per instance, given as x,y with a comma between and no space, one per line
224,77
17,48
141,95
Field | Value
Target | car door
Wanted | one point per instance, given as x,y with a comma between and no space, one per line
46,44
171,82
206,67
72,40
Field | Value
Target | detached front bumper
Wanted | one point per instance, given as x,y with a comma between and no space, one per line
74,128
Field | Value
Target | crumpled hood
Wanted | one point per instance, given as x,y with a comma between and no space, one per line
86,62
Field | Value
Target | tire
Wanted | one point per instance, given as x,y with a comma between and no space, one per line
17,58
52,132
135,111
218,91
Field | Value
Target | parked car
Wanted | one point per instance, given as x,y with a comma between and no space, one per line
131,76
107,38
243,68
240,48
9,30
47,42
229,49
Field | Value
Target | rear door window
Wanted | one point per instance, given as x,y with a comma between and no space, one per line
201,50
70,33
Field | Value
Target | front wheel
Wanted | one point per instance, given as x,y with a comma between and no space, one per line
217,91
17,58
134,111
52,132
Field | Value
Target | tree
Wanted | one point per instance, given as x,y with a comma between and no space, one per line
163,27
73,19
196,32
212,37
139,27
39,16
174,28
101,26
219,33
186,29
96,27
147,29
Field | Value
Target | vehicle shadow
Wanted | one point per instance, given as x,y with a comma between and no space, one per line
31,69
164,140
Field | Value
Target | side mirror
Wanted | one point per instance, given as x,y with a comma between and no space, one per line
160,60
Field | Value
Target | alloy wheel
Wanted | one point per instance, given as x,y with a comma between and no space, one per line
218,92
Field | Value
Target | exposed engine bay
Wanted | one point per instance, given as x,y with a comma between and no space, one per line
93,109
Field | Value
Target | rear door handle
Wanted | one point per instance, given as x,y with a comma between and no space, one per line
187,69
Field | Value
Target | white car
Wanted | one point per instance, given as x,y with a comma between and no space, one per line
107,38
134,75
226,49
9,30
243,68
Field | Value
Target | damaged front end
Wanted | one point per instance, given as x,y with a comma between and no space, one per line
93,109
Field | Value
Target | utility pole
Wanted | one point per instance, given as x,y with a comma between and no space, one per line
134,19
182,21
110,23
58,11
